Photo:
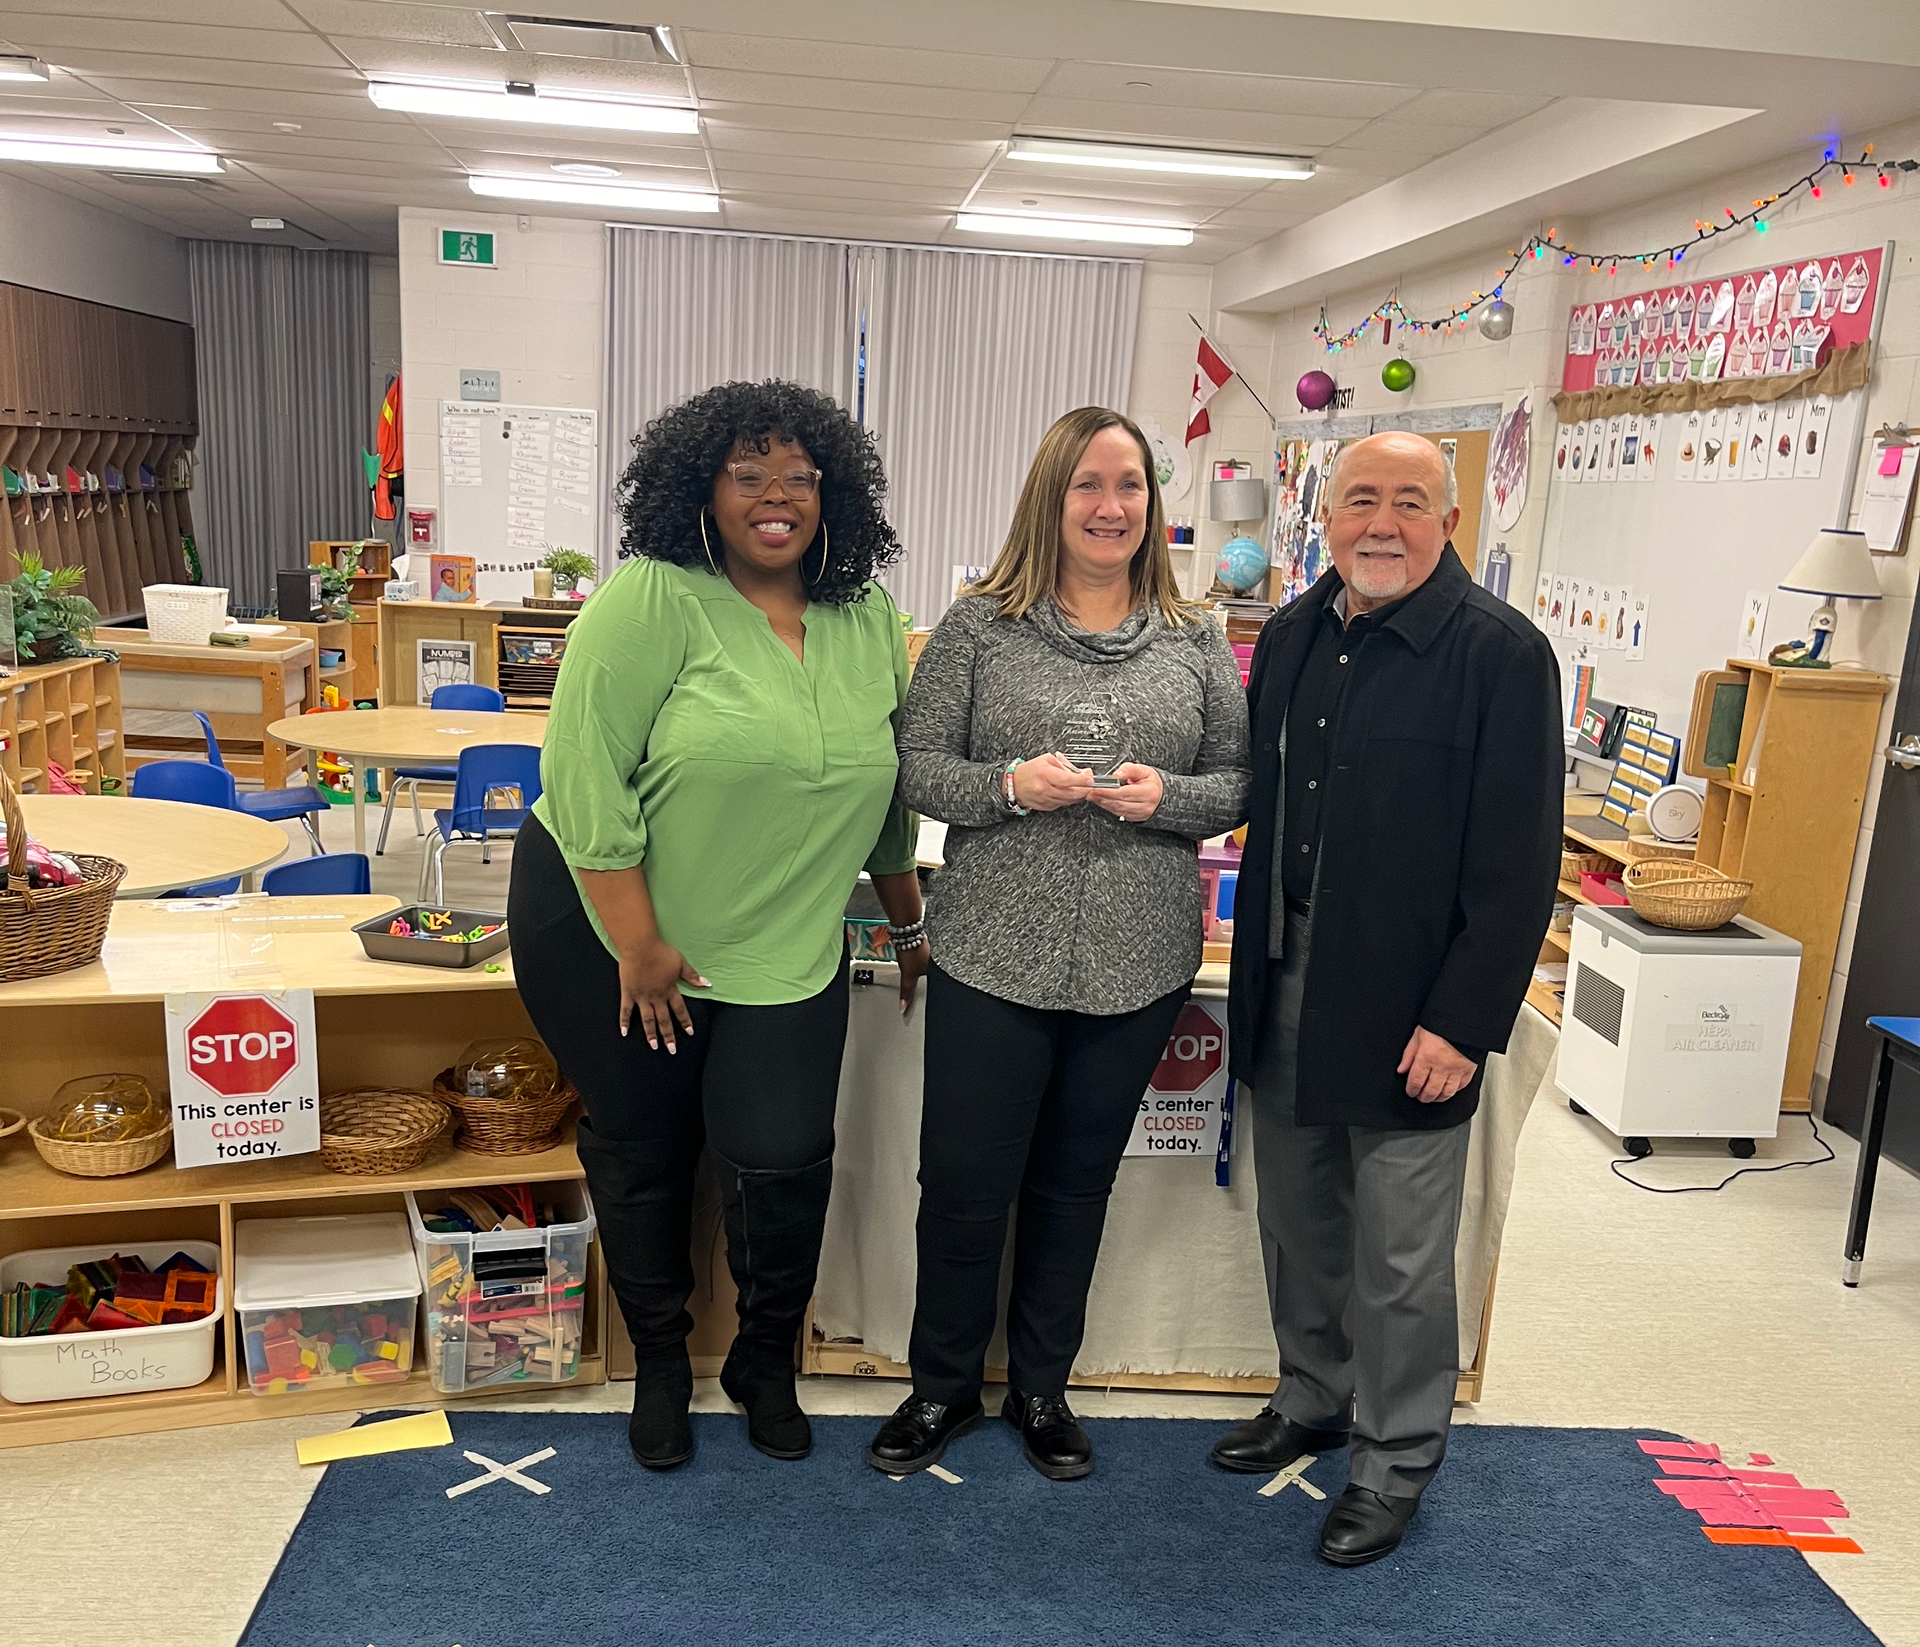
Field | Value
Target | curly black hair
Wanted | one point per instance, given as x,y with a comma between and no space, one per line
677,456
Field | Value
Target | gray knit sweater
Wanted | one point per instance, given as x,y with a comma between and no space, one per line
1071,909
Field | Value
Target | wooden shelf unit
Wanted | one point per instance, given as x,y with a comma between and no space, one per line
526,680
1788,819
359,679
405,623
241,689
376,1023
66,713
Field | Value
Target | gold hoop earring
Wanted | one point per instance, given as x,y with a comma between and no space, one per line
826,544
706,545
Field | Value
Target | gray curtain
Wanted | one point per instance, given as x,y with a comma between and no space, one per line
971,356
956,360
283,338
687,310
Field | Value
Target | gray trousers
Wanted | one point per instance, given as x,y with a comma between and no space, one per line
1357,1227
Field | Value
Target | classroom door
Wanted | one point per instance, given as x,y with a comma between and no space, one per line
1883,977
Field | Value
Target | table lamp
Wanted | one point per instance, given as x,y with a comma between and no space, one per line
1837,565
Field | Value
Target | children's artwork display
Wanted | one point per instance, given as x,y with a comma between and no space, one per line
1766,322
1507,465
1299,548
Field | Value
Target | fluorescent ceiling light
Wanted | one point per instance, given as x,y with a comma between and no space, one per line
1075,228
594,194
1137,158
114,156
530,107
23,68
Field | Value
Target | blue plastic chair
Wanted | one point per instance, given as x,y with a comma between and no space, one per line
302,801
196,784
484,771
332,874
464,696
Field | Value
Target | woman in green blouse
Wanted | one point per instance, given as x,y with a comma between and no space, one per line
719,767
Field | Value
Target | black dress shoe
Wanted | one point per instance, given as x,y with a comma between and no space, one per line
918,1433
1365,1525
1050,1435
658,1432
1269,1442
759,1376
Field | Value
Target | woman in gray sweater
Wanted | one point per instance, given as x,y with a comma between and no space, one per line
1079,726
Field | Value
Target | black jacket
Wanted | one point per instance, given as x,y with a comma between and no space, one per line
1440,841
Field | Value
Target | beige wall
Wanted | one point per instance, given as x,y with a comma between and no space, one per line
1465,367
58,244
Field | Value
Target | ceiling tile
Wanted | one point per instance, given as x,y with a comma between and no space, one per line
849,123
173,74
1193,193
390,20
801,166
1252,93
1410,140
891,65
1470,108
60,36
793,193
563,145
504,153
780,90
239,14
914,228
739,139
1192,125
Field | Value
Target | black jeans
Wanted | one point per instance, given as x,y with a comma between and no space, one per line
1024,1103
757,1082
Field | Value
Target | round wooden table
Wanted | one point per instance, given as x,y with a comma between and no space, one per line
406,736
164,844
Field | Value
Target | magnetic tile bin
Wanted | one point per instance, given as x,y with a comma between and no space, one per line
325,1302
506,1307
77,1366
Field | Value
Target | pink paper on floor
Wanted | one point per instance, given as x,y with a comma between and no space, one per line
1693,1466
1680,1449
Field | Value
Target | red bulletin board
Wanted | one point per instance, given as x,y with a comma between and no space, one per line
1836,311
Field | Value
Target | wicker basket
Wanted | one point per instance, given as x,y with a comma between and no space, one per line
503,1126
1689,896
60,927
373,1130
100,1160
11,1121
1575,864
1644,847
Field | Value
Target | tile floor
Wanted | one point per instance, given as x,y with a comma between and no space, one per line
1719,1316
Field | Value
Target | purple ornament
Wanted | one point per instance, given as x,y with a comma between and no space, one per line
1314,391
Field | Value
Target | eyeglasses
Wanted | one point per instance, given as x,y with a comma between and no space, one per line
752,480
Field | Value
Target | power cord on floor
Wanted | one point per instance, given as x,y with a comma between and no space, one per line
1696,1189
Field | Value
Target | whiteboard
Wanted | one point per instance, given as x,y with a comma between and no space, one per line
1692,549
516,482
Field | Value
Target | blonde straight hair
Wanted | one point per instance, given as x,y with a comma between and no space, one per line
1028,565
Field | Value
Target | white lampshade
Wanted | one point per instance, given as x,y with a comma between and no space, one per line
1837,565
1232,500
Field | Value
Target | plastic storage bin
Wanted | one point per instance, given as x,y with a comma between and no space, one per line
138,1360
184,614
325,1302
506,1307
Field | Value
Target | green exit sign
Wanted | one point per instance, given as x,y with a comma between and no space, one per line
473,247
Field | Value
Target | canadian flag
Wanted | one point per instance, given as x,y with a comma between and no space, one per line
1209,377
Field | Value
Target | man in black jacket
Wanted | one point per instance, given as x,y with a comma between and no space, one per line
1398,878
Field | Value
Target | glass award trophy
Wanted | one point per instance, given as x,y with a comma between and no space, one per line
1092,740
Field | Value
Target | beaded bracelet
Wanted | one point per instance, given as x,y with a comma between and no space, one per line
1007,796
910,936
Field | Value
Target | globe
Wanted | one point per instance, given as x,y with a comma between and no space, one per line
1242,564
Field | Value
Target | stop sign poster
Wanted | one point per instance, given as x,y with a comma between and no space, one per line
245,1073
1180,1110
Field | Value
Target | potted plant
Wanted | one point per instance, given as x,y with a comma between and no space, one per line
336,585
50,620
568,567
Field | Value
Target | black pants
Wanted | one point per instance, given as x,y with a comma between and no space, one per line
1021,1103
758,1083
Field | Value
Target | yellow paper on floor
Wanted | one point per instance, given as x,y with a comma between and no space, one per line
394,1435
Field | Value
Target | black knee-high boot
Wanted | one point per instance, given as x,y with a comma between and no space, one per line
774,1224
644,1205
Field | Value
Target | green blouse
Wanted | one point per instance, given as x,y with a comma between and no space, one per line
687,737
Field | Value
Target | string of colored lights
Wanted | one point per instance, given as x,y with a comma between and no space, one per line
1540,246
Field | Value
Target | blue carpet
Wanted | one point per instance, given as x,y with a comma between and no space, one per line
1530,1538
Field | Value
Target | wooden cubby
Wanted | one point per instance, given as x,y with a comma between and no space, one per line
360,683
376,1024
90,397
69,714
1787,818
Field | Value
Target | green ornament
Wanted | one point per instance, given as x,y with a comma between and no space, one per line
1397,375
